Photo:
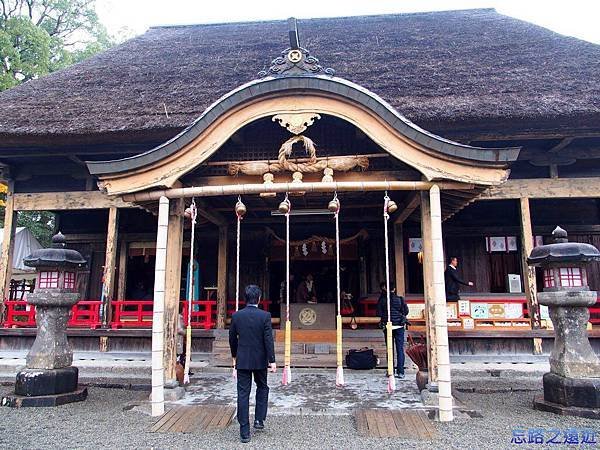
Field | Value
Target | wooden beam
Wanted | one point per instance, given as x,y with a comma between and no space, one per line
172,287
109,264
210,214
408,208
222,277
8,244
528,271
284,177
428,286
561,145
399,259
544,188
122,281
57,201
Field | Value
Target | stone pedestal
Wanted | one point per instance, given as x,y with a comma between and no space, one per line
572,387
49,379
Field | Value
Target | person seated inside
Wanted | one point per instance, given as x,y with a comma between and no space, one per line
306,292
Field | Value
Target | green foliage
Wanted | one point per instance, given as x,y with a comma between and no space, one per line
40,36
40,223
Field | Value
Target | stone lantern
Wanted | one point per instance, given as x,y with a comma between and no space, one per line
48,378
573,384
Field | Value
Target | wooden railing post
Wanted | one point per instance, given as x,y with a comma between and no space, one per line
428,287
110,264
528,271
222,278
399,259
173,286
8,244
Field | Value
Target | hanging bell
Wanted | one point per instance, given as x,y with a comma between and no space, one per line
334,205
284,206
392,207
240,208
327,175
268,182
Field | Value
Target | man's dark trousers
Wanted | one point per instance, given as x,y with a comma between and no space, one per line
398,340
244,385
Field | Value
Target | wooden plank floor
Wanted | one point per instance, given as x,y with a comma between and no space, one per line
383,423
193,419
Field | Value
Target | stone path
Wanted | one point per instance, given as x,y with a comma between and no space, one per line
311,392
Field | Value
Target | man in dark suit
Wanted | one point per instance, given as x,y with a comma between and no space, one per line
453,281
253,350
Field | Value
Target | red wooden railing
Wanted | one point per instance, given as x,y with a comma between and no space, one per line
138,313
19,314
203,313
132,314
85,313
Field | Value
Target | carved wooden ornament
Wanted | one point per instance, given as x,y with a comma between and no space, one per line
296,123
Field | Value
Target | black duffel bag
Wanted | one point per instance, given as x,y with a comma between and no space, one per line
362,359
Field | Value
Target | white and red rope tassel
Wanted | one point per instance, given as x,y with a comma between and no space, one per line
192,213
284,207
334,206
240,211
391,384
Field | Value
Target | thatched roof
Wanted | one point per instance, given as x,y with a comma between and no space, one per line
439,68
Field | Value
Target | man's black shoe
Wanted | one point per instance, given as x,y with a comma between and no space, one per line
259,425
245,439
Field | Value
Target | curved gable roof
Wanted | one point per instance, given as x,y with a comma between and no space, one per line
309,83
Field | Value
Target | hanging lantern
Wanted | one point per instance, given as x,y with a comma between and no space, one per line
313,247
240,208
297,251
327,175
268,182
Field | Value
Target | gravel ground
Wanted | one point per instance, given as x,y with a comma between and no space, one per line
107,421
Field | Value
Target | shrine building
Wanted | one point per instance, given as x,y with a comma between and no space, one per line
484,130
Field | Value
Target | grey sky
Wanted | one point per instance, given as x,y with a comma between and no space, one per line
577,18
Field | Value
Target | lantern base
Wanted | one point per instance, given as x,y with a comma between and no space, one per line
42,382
570,396
22,401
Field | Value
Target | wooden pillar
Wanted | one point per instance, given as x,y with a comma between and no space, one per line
399,259
122,281
428,287
440,317
529,272
362,280
222,277
158,310
8,244
110,264
173,287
